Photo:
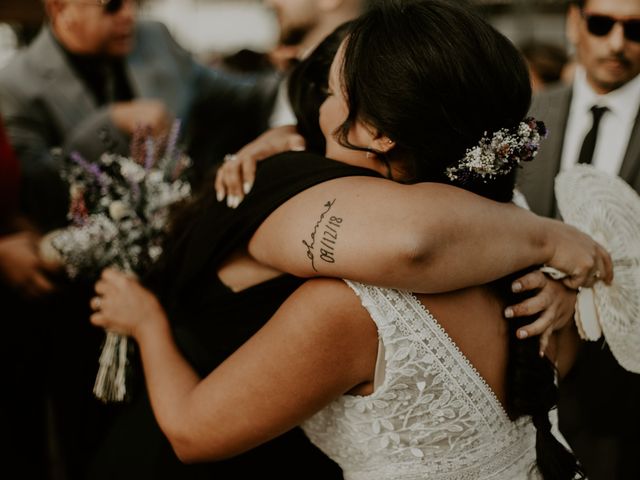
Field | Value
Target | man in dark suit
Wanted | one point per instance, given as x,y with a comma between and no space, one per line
596,120
95,73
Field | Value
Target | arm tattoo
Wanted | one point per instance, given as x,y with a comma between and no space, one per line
328,226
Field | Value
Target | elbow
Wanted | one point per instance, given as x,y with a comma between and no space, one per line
189,451
191,447
415,254
408,265
187,455
183,445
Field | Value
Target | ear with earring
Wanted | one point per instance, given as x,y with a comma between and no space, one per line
381,145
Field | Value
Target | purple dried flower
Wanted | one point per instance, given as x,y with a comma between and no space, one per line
150,151
170,151
91,168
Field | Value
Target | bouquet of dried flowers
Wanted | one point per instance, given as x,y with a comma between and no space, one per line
119,209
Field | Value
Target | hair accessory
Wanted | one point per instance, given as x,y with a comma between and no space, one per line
500,153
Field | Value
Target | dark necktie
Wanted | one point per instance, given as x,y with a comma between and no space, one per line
589,143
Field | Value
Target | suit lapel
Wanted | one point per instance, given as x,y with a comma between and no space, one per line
152,72
552,107
559,105
563,104
630,169
67,96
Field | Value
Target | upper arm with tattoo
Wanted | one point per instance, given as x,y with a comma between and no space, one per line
332,230
323,240
426,238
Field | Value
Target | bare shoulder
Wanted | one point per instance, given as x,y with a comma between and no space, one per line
325,319
321,230
334,301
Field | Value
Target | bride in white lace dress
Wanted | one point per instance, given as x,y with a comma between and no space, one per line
432,414
388,383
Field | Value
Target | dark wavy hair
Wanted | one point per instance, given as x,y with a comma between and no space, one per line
308,84
439,79
434,77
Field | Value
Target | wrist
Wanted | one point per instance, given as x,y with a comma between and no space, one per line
154,323
119,114
545,240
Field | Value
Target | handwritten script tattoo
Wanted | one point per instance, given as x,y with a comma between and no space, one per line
329,229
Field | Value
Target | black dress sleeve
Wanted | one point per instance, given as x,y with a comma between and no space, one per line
215,230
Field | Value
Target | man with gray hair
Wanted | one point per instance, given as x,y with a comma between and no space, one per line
93,75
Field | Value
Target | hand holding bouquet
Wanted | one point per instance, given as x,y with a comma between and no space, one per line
119,211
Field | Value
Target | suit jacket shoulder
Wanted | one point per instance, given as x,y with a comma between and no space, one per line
630,168
536,178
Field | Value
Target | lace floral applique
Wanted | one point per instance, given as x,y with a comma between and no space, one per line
433,416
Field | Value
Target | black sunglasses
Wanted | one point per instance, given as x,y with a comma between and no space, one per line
601,25
111,7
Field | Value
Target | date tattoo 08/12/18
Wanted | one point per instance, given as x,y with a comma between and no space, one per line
329,230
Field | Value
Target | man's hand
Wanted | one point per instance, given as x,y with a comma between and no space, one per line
553,302
153,114
22,268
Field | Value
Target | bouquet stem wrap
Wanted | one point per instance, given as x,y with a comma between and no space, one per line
110,383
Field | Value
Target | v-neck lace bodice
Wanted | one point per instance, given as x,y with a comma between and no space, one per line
433,416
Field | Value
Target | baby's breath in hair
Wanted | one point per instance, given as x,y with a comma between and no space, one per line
500,153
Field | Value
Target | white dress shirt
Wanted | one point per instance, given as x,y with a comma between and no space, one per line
615,127
282,112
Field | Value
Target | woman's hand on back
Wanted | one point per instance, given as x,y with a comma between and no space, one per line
235,176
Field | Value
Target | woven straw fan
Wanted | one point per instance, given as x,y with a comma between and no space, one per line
608,209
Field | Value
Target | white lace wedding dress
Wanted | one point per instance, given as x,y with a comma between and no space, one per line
432,416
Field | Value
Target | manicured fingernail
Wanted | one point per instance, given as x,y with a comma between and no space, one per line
219,196
522,334
516,287
246,187
230,200
508,312
541,353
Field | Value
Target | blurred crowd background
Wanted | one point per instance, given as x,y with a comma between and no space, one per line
243,36
230,32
